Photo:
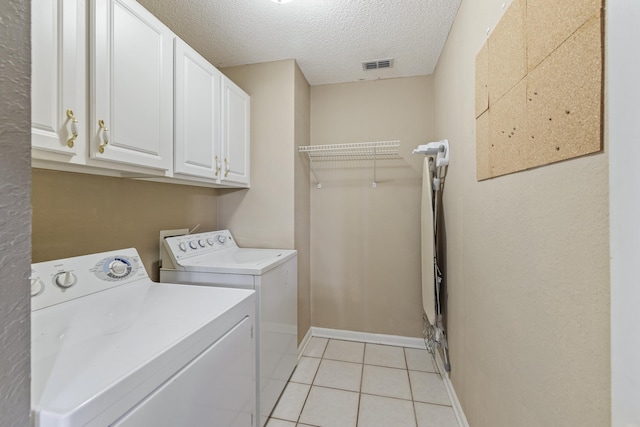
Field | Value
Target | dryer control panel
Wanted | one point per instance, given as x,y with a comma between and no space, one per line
54,282
181,247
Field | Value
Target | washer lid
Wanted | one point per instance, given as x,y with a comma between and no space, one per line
238,261
93,358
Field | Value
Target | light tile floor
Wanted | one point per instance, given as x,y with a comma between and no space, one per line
352,384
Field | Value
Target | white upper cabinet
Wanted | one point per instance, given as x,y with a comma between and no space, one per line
235,134
131,85
197,114
211,122
105,100
58,108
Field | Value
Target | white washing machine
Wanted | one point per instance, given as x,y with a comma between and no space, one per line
214,259
111,347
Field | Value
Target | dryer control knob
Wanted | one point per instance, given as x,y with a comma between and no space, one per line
201,243
210,241
193,244
36,286
117,268
222,239
183,247
65,279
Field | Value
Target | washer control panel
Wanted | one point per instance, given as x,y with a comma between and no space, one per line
181,247
54,282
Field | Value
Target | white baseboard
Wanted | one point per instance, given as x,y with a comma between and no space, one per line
368,337
455,403
304,343
394,340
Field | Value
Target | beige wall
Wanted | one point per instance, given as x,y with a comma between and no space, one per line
528,270
77,214
365,242
263,216
274,212
15,182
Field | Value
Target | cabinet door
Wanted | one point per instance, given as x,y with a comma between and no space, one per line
197,114
131,85
57,75
235,134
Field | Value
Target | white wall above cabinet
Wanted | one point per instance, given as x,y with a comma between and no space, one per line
131,81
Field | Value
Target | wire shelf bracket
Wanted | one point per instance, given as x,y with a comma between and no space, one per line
373,151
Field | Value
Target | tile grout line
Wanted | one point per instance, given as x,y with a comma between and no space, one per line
325,348
373,394
364,352
389,397
413,402
312,381
305,402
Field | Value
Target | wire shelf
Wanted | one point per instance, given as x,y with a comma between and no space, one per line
368,151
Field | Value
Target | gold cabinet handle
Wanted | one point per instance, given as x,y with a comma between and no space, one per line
105,136
226,168
217,166
74,128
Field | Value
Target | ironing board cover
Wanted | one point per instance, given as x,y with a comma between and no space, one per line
428,290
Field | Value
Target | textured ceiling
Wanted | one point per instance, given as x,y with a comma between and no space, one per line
328,38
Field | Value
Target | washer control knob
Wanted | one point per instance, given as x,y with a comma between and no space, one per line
118,268
36,286
210,241
183,246
201,243
222,239
193,244
66,279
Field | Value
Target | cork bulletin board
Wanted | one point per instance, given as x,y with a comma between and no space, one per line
539,86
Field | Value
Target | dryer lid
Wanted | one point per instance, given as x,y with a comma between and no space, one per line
99,355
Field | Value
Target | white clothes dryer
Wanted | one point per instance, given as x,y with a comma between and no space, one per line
214,259
111,347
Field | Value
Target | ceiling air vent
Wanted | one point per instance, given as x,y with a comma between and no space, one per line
375,65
